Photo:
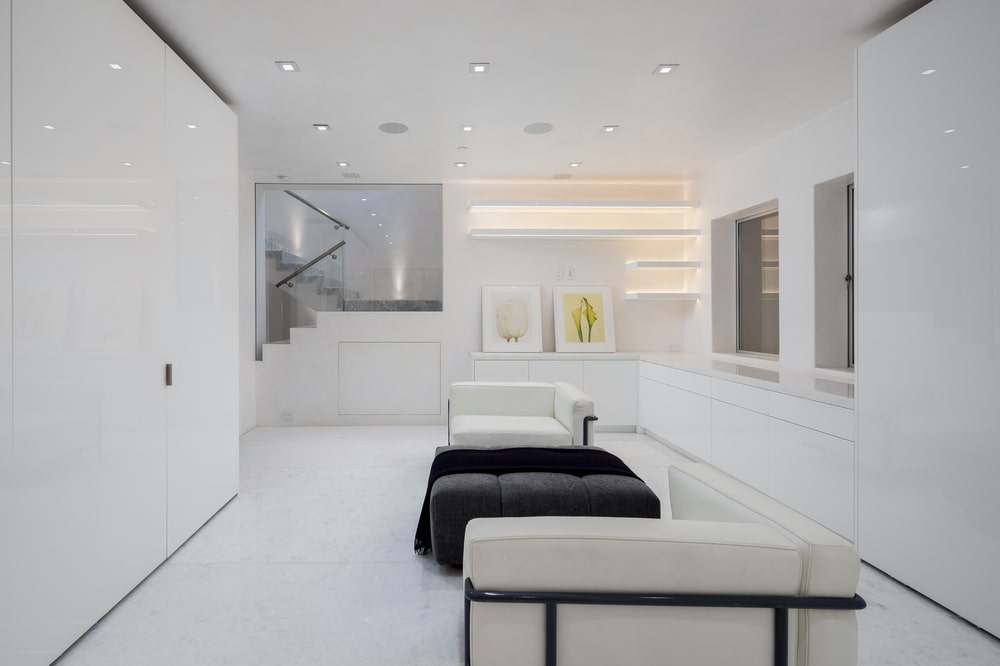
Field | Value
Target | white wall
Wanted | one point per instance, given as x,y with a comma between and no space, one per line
785,169
302,378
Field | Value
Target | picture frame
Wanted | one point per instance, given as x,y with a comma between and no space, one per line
575,331
512,318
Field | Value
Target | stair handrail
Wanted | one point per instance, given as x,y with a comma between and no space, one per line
302,269
318,209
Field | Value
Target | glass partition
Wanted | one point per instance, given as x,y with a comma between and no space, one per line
354,248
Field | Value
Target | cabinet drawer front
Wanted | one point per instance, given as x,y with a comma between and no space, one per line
741,395
613,387
689,381
556,371
814,473
740,443
837,421
501,371
682,418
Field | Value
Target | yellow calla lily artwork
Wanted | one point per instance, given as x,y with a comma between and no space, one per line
583,319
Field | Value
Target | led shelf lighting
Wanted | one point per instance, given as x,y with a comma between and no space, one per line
584,234
496,205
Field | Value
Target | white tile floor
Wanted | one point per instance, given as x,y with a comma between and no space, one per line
313,564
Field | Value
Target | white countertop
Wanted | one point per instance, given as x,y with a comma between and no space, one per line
833,387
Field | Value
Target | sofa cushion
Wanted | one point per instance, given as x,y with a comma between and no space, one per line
483,430
642,555
543,494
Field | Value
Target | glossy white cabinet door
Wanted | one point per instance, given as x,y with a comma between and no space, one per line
813,472
203,409
6,340
8,613
501,371
613,386
928,298
556,371
86,473
682,418
740,443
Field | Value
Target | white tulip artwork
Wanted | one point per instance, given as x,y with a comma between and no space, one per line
512,318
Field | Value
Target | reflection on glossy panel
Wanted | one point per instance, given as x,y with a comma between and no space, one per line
87,461
203,414
929,304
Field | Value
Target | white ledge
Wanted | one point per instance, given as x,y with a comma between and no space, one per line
584,234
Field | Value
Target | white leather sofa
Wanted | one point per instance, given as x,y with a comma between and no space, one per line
726,540
519,414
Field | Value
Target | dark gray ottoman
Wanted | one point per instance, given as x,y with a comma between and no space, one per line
458,498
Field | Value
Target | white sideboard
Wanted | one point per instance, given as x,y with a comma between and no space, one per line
789,434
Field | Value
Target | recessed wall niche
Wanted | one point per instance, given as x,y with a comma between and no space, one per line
724,296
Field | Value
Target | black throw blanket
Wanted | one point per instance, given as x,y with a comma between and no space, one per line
563,460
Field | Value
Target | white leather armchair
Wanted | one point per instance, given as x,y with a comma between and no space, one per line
701,588
519,414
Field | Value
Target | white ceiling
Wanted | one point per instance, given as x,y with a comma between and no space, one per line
749,70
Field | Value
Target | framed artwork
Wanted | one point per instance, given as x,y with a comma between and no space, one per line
512,318
584,319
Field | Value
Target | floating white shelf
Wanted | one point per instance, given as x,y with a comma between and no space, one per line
662,296
602,234
575,206
632,265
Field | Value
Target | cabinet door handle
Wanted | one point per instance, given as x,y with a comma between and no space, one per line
170,374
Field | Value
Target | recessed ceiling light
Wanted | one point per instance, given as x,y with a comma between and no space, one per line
964,166
192,127
48,126
665,69
394,128
575,164
364,198
462,148
322,127
460,164
928,71
6,163
342,164
387,235
114,65
610,128
373,214
380,224
287,65
468,128
126,164
479,67
950,131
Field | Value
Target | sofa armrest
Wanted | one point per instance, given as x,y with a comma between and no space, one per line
598,554
571,407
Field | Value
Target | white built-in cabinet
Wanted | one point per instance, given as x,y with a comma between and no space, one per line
928,305
118,226
798,450
793,444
